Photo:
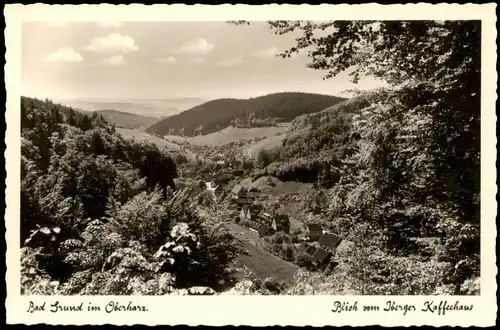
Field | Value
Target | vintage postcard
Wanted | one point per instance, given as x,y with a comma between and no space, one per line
251,165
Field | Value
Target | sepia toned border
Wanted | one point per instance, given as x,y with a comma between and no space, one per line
253,310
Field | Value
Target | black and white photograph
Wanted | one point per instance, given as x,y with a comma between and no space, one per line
251,157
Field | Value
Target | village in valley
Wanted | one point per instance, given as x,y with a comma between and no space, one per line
320,244
264,208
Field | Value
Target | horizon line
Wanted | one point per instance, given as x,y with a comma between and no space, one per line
157,98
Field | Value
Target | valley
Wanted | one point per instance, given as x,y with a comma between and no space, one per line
220,157
286,193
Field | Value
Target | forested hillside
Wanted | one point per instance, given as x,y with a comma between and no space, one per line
99,214
314,146
126,119
260,111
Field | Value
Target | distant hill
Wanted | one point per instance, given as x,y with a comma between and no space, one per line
161,107
261,111
126,119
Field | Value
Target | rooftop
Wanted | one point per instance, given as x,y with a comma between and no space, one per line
329,240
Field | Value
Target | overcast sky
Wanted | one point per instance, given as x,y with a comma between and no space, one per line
127,60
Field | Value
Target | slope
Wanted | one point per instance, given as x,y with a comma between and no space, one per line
259,261
321,134
161,143
261,111
126,119
313,147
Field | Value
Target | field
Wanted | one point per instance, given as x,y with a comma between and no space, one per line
252,150
230,134
260,262
138,135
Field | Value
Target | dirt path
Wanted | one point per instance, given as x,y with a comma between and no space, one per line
249,152
267,143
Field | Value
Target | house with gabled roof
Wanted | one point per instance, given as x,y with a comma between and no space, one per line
245,213
330,241
281,222
310,249
314,231
318,254
322,256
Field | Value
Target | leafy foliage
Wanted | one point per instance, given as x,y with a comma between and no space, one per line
409,159
96,209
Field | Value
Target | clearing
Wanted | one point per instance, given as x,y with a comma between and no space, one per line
231,134
252,149
138,135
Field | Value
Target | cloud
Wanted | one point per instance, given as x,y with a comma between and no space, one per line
169,60
113,43
64,54
234,61
197,60
267,53
198,46
116,60
109,24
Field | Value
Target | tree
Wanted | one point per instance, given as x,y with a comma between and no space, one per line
85,123
72,118
394,51
415,167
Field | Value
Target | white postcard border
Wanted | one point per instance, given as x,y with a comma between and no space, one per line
253,310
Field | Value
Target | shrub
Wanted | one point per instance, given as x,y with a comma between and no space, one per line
246,223
268,156
277,249
280,238
288,252
274,285
248,164
304,260
294,238
181,158
144,218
